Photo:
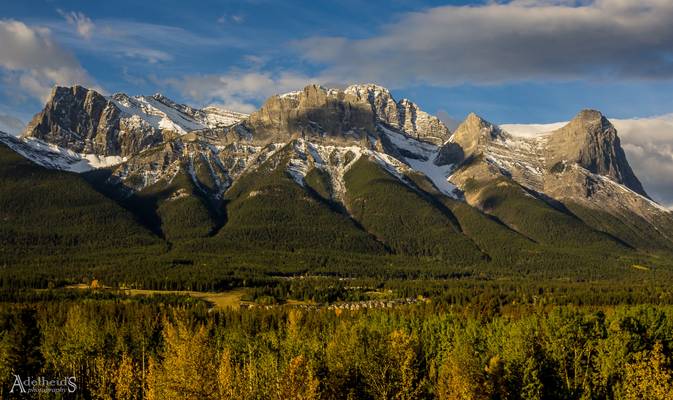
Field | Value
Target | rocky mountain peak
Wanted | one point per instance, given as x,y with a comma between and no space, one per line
591,141
332,113
370,92
357,110
403,115
314,112
85,121
468,140
76,118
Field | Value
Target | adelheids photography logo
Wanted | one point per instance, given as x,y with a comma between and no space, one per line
41,384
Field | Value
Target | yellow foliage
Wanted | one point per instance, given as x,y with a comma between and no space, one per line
298,382
188,370
649,377
123,379
228,378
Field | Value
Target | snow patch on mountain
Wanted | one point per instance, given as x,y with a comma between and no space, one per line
162,113
55,157
531,130
337,160
299,166
420,157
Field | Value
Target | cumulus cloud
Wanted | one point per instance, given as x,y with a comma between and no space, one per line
648,143
83,24
239,90
11,125
31,60
518,40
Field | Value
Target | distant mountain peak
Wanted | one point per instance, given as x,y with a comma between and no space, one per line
468,140
591,141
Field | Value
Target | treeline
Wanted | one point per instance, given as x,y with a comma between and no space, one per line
193,266
126,349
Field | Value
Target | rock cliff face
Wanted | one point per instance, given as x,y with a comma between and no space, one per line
316,113
150,143
335,115
85,121
588,141
211,168
470,139
79,119
591,141
403,115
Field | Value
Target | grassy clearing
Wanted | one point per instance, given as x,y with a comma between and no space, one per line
230,299
222,300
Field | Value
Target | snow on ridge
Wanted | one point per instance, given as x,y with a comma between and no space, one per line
290,95
531,130
51,156
171,118
216,116
438,174
162,113
624,188
298,166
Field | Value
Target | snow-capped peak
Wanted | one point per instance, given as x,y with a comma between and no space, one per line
376,90
163,113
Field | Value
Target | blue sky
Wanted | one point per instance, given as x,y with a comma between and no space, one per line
519,61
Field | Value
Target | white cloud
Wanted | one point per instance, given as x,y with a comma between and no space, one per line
152,56
11,125
235,18
83,24
238,90
519,40
33,62
648,143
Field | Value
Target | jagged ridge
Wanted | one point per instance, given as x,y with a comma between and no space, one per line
323,131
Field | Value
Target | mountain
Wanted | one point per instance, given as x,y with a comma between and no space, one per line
333,115
85,121
579,168
352,172
47,212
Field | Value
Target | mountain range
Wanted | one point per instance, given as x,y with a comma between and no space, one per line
352,171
